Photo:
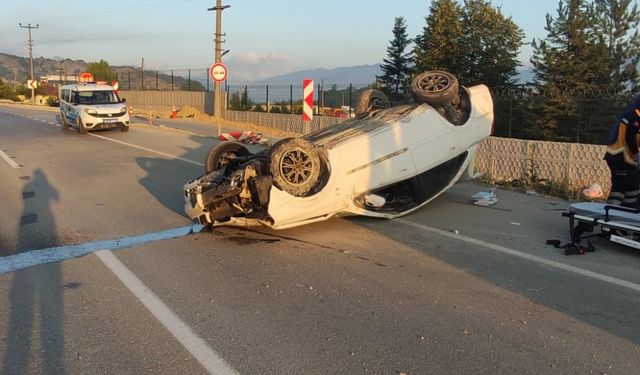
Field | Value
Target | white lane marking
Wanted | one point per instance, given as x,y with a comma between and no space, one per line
148,149
9,161
207,357
138,147
33,258
534,258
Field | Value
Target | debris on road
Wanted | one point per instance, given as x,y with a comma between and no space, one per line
593,192
485,198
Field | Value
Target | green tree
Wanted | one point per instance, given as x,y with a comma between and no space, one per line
616,22
475,42
240,101
101,71
396,67
7,92
440,46
570,63
492,42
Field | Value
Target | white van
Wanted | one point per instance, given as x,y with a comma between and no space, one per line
92,106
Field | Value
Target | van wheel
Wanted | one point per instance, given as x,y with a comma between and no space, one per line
81,128
63,121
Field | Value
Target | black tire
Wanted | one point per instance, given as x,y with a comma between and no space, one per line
81,128
294,165
124,128
371,99
218,155
63,122
434,87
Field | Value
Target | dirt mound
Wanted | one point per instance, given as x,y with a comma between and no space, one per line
190,112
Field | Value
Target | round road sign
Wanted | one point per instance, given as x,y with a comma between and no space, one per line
85,77
218,72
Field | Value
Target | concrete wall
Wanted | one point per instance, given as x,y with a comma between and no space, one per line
570,165
164,100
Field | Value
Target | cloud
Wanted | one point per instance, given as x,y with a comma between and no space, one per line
251,66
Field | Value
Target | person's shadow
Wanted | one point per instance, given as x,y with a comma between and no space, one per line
40,285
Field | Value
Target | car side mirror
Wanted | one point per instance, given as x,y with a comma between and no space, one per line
124,100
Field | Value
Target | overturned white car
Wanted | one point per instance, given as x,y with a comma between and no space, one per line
387,162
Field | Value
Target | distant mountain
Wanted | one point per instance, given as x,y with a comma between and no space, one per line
525,74
358,76
16,68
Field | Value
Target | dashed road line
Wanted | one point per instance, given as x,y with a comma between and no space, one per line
208,358
9,161
128,144
147,149
199,349
523,255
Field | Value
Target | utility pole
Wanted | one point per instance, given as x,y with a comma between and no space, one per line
30,45
217,107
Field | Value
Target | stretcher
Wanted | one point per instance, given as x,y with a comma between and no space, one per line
615,223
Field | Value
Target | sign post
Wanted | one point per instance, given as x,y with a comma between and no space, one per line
33,85
218,72
307,103
85,77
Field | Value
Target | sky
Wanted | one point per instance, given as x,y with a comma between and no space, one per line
264,38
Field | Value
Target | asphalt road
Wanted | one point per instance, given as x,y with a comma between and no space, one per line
453,288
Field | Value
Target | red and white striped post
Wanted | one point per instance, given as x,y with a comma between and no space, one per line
307,102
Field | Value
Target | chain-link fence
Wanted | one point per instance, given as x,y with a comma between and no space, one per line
523,112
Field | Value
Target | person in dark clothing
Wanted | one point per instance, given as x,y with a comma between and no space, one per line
622,157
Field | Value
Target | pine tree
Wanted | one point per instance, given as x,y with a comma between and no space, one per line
440,46
568,65
396,68
474,42
492,42
616,21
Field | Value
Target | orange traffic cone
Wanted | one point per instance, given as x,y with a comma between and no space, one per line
173,112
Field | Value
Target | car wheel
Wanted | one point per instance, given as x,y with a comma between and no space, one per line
434,87
124,128
63,121
294,165
81,128
219,155
371,99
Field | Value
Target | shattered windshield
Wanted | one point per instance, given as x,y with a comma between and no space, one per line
97,97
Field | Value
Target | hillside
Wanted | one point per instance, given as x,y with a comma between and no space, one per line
16,68
358,76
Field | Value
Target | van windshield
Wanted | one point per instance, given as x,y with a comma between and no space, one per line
97,97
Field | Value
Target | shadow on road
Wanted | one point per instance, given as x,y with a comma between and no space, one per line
593,302
162,173
36,293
